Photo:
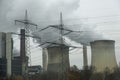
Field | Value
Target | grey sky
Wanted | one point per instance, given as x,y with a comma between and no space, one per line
101,17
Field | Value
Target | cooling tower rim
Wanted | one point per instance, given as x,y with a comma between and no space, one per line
103,41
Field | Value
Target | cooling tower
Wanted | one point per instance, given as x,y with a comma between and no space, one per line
45,59
103,55
57,64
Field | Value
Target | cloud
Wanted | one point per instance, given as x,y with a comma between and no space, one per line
42,10
16,52
88,34
48,11
5,7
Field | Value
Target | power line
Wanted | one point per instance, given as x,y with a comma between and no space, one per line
27,24
84,18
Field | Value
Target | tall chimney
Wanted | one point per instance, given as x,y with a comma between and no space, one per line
85,60
23,51
22,44
45,59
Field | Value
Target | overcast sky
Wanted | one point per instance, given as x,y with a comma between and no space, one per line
100,17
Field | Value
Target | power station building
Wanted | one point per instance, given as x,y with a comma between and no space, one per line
6,48
103,55
16,65
10,65
20,63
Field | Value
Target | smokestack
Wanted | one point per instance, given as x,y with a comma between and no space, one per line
23,51
45,59
22,44
103,55
85,60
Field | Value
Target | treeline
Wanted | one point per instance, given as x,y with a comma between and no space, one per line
88,73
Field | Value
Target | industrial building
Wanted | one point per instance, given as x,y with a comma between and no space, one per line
20,63
10,65
6,48
36,69
16,66
3,67
103,55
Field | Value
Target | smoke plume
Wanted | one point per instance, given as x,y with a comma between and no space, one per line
46,13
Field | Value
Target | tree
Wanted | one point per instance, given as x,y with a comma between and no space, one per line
74,73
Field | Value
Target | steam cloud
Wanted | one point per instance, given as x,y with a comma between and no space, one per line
46,13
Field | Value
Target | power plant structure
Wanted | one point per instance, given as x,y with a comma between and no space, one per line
55,62
103,55
6,48
85,59
23,56
20,63
55,57
44,59
10,65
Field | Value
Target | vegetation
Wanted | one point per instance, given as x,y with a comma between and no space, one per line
15,78
89,74
76,74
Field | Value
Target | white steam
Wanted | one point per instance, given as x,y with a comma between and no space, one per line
46,13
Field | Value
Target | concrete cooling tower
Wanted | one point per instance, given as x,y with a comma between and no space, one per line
55,61
103,55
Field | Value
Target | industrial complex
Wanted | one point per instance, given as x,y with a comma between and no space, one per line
102,51
55,57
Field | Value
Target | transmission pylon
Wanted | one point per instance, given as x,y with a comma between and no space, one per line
27,24
62,69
